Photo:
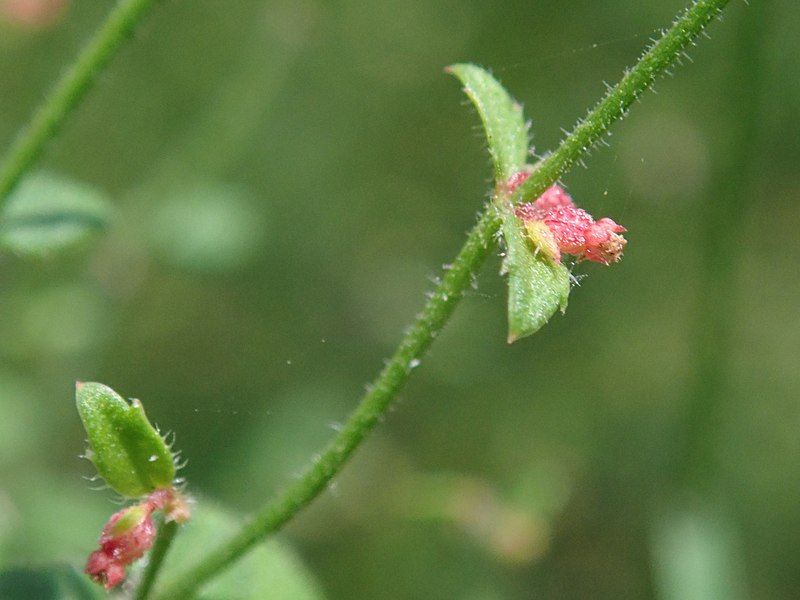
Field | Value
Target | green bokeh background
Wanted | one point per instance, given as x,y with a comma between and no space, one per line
290,176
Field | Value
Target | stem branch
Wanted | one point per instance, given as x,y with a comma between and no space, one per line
69,91
440,306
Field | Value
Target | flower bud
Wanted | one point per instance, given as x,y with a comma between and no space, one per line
553,197
128,534
572,229
569,226
603,242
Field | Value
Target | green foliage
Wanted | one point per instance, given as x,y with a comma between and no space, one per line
271,570
130,455
502,119
537,286
369,217
48,213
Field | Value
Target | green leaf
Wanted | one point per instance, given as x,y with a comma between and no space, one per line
47,213
56,582
126,449
270,570
537,286
502,118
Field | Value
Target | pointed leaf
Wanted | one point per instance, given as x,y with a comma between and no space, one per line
537,286
47,213
126,449
502,119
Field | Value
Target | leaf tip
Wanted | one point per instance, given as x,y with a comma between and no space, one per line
456,68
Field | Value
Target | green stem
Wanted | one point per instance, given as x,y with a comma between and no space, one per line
69,91
480,241
615,104
166,534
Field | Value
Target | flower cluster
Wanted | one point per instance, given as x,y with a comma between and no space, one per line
556,226
130,533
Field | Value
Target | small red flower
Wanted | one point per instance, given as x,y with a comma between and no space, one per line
603,242
571,230
128,534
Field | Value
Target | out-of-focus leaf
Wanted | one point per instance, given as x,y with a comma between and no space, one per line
47,213
696,556
502,118
126,449
537,285
208,228
271,570
57,582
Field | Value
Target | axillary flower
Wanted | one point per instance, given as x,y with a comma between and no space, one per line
129,533
555,226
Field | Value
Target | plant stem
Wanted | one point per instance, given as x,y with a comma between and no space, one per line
435,314
69,91
446,296
166,534
615,104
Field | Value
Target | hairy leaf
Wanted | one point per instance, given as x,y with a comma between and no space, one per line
537,285
502,119
126,449
47,213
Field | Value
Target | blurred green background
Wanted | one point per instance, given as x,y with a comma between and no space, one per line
288,178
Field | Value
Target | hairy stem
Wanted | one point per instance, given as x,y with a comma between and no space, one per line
166,534
440,306
662,55
69,91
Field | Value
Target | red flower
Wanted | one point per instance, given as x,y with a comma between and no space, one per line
603,242
567,228
128,534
